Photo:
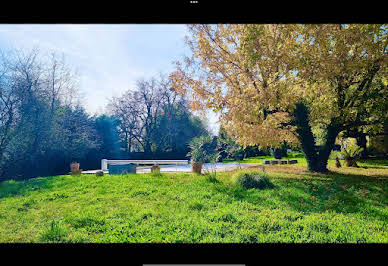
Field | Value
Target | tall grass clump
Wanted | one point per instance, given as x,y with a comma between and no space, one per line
249,180
55,233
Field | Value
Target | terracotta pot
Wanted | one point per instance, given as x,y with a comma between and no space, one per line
155,168
196,167
74,167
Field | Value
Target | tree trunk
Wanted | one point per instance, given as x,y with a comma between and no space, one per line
305,136
316,160
385,139
332,132
129,143
361,141
147,147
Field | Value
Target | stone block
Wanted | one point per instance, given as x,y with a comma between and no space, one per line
99,173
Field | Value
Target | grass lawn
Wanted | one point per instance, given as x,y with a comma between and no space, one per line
370,163
348,205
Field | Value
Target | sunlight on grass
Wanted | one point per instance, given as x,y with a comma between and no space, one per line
346,205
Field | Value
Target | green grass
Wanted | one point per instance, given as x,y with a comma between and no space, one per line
259,159
370,163
346,206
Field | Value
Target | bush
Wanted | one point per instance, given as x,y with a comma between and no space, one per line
350,151
257,180
238,156
279,153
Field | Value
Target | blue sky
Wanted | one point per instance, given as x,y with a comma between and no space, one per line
109,58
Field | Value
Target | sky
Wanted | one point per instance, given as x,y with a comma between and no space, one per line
108,57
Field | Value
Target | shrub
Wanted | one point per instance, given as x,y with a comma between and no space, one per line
279,153
350,151
257,180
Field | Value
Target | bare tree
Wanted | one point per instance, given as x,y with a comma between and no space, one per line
125,109
60,82
8,104
32,89
138,111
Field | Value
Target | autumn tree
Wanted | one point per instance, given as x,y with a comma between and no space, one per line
274,83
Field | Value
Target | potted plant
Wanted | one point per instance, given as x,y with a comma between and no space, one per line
74,166
155,168
350,151
203,150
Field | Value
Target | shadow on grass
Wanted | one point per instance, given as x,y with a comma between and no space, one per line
373,167
11,188
379,162
340,193
296,155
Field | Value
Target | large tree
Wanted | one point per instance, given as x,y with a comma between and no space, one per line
176,127
138,110
274,83
108,136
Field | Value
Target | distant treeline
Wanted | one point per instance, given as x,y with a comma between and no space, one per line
44,127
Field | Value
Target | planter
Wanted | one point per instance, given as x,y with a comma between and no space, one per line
74,167
155,168
196,167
